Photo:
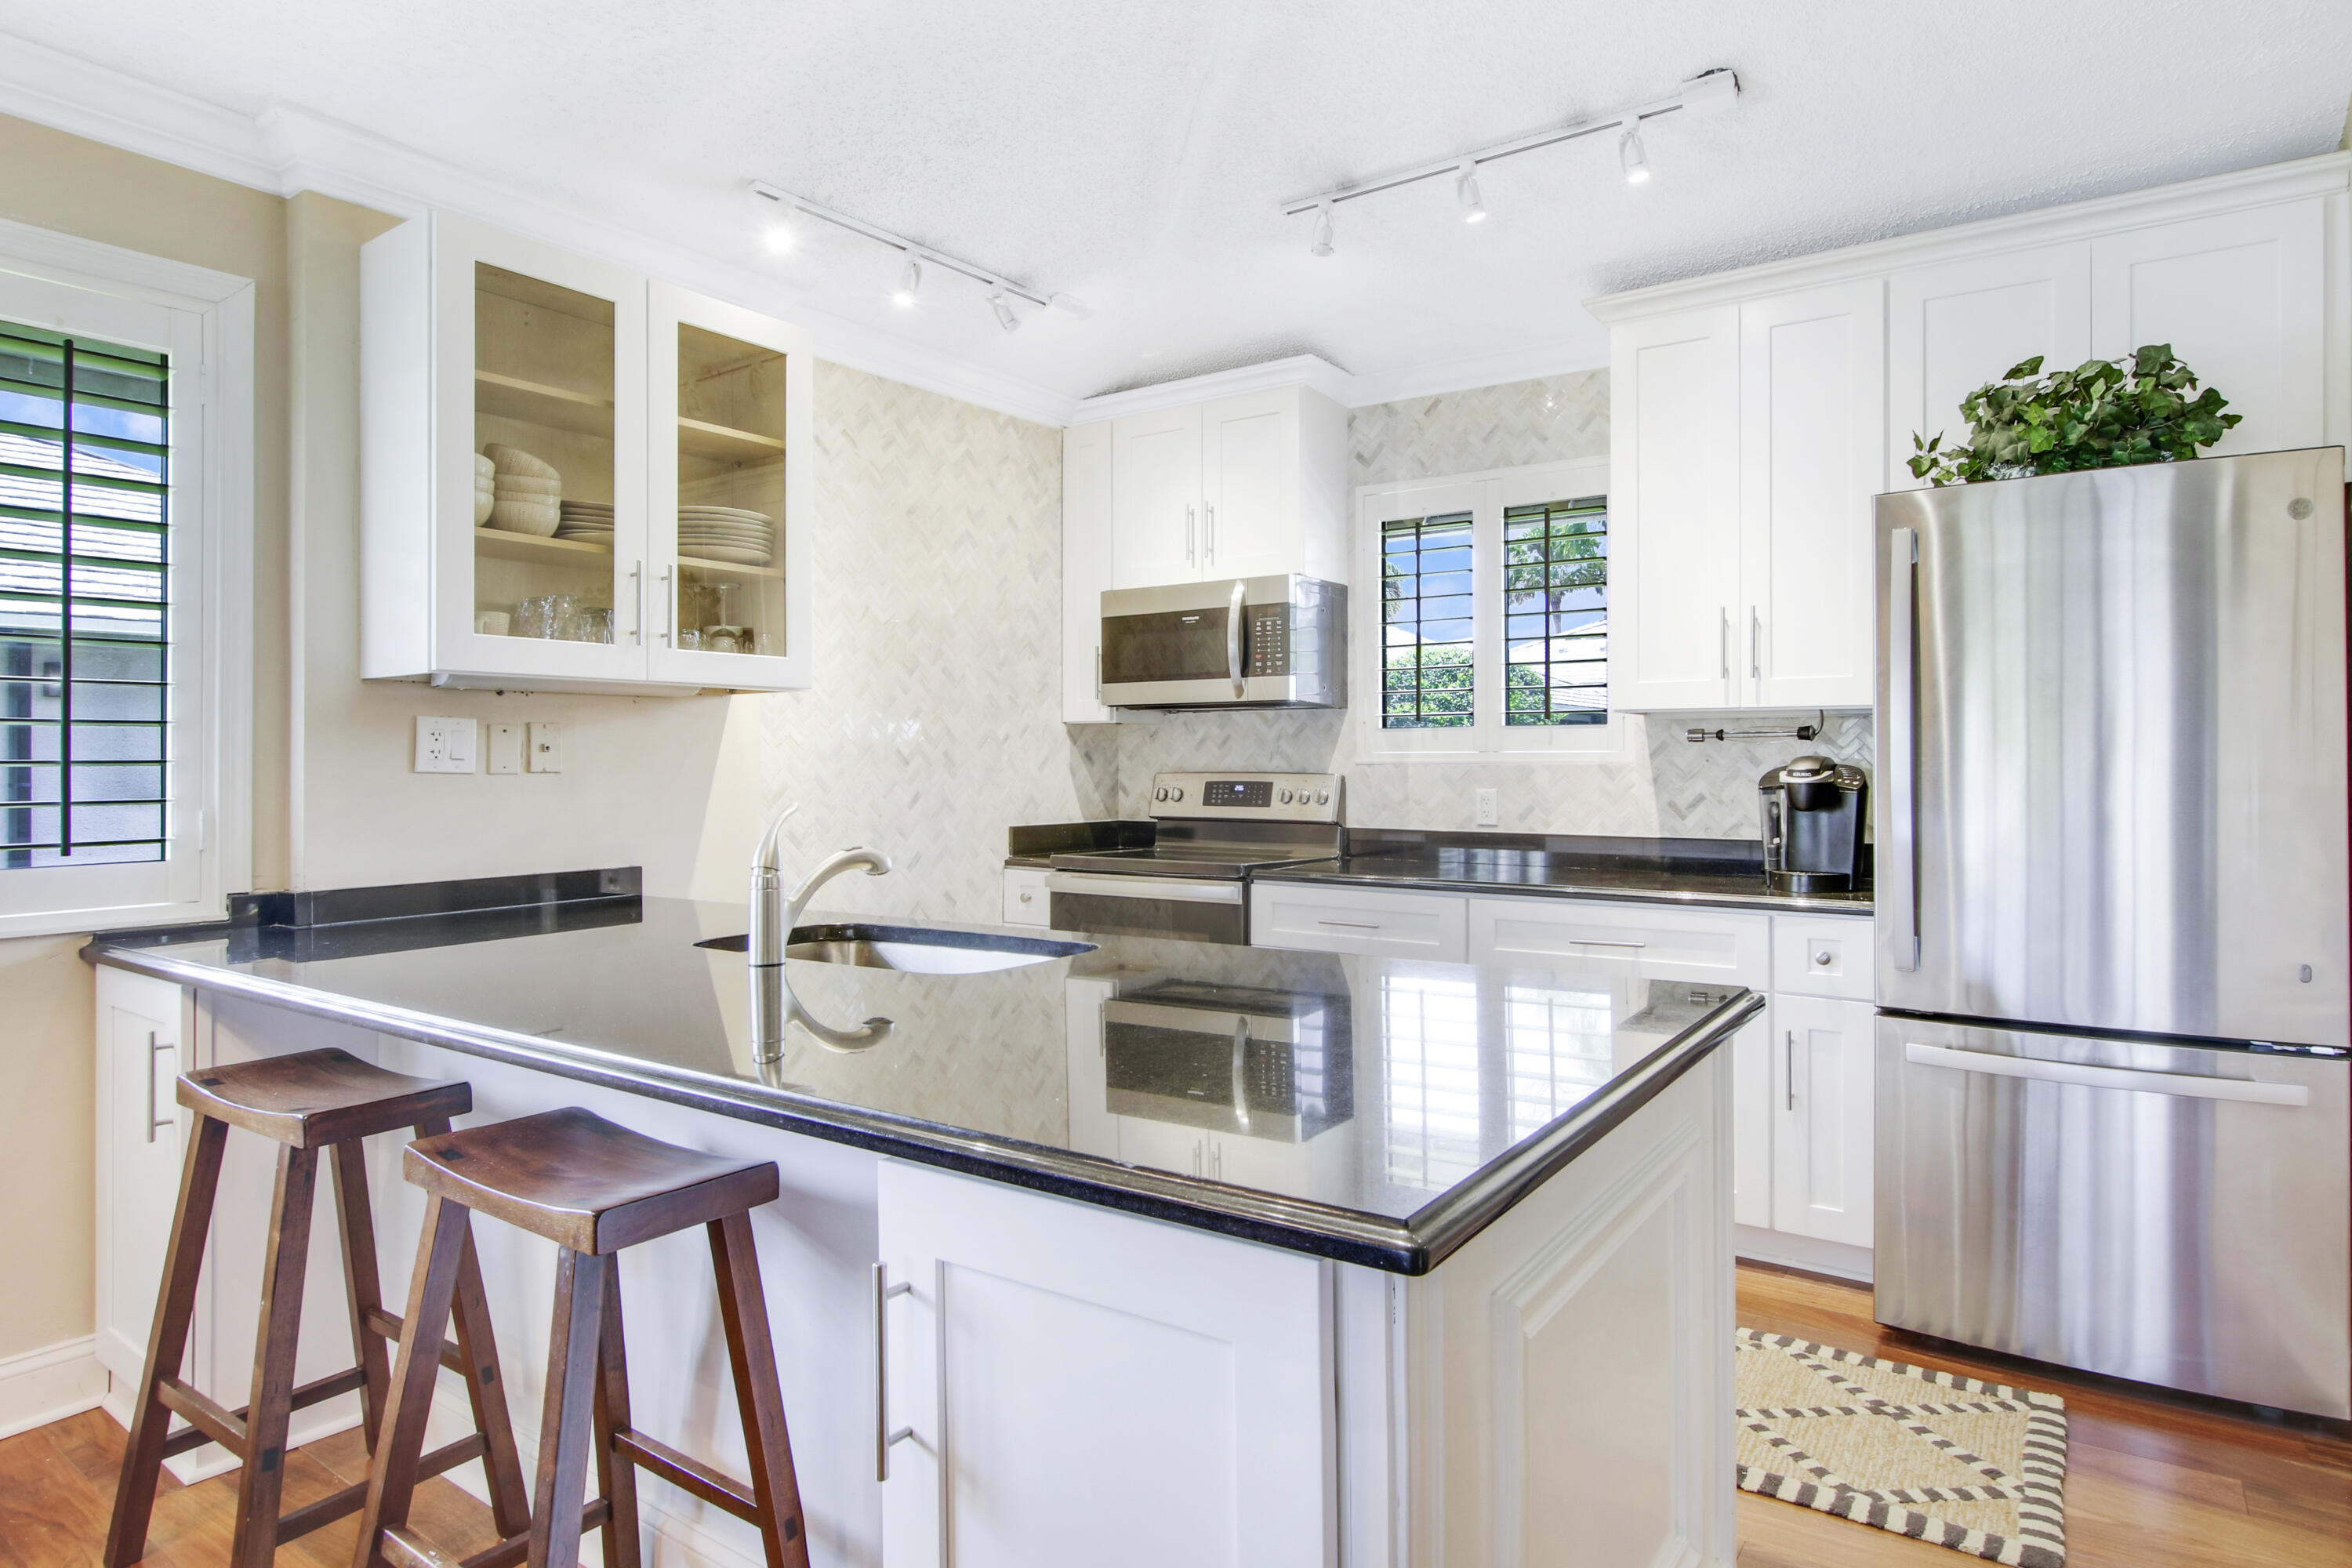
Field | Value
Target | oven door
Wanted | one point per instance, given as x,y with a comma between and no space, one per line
1187,909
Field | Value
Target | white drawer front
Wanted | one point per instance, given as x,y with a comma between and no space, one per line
1716,946
1813,956
1025,899
1397,925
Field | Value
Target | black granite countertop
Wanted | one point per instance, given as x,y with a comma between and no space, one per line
1378,1112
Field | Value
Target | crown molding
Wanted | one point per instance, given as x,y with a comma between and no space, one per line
285,150
1474,371
1310,370
2326,173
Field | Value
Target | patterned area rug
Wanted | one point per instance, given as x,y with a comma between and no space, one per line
1972,1466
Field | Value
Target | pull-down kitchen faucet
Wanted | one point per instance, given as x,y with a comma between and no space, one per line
773,916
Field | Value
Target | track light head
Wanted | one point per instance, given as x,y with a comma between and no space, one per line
778,236
911,283
1006,317
1465,191
1322,245
1630,153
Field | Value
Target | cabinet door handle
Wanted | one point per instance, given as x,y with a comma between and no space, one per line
156,1047
637,595
1789,1069
1209,537
1723,642
884,1438
1188,534
670,610
1755,643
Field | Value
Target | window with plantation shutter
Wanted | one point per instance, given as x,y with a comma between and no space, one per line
1492,637
85,632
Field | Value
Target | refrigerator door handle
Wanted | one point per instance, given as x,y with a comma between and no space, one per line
2192,1086
1898,871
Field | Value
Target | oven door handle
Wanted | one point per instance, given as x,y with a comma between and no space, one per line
1234,632
1113,886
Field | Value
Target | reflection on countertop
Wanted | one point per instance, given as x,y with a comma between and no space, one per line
1377,1110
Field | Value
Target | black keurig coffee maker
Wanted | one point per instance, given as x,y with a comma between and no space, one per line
1812,825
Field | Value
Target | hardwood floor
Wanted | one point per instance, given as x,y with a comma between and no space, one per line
2151,1482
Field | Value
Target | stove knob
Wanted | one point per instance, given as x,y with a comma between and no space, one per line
1176,791
1286,797
1322,797
1160,793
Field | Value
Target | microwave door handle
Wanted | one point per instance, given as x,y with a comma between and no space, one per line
1234,634
1241,1073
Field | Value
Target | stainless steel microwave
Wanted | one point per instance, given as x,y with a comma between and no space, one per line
1247,642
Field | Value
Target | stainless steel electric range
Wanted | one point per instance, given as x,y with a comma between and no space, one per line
1212,830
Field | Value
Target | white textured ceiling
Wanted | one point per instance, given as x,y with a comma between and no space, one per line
1133,156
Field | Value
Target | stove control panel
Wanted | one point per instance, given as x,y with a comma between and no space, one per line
1258,797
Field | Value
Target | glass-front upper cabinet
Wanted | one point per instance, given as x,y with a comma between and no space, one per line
728,604
572,478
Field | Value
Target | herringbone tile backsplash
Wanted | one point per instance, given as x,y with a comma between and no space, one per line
935,721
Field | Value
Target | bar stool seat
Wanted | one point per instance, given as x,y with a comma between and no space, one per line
583,1183
592,1188
311,1103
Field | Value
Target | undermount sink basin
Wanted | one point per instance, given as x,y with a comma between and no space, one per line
913,950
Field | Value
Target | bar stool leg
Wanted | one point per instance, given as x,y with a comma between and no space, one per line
391,1478
478,1348
263,1477
743,1308
566,1426
616,1474
363,1282
167,1344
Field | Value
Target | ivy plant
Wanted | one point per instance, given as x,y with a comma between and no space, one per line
2103,413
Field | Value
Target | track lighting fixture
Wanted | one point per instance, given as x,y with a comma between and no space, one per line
911,283
778,237
1709,93
1465,191
1005,315
1631,155
1003,292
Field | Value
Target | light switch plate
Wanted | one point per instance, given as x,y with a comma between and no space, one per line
444,745
504,753
1489,814
546,753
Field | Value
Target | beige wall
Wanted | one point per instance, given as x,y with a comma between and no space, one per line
63,183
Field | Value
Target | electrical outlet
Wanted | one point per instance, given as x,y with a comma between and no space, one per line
1489,814
546,754
443,746
504,753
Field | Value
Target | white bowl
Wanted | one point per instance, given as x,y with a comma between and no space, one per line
483,502
483,469
513,484
517,515
512,460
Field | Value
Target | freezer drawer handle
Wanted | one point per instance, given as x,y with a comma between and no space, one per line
1142,886
2191,1085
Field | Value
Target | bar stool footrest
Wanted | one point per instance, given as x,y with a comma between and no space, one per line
298,1522
196,1435
404,1549
713,1487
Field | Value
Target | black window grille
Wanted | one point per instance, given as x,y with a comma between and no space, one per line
1427,678
1556,613
85,709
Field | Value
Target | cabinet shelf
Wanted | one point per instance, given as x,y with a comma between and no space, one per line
701,439
500,544
512,397
723,569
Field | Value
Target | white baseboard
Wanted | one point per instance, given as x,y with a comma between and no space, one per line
1806,1252
50,1384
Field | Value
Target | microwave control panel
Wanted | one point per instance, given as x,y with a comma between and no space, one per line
1269,640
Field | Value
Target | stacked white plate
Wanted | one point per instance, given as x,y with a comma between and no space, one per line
727,533
588,521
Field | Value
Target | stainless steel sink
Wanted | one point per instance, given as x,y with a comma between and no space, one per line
914,949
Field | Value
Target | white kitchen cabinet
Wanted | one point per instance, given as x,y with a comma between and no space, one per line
1085,570
2242,298
1248,486
1954,325
1027,902
1812,445
1064,1373
1379,921
615,393
1645,942
1822,1147
1673,442
1822,956
1155,498
1751,1122
141,1037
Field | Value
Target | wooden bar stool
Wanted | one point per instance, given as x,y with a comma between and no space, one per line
307,1102
592,1188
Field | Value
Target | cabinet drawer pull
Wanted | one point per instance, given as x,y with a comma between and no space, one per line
1603,942
1351,925
884,1438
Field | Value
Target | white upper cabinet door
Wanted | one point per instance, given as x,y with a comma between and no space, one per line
2241,298
1952,328
1085,570
1812,444
1249,468
1155,498
1674,449
1822,1147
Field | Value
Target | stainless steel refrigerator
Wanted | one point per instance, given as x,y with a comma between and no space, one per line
2114,1008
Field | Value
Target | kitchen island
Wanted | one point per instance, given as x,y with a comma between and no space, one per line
1209,1254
